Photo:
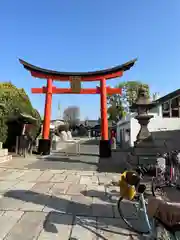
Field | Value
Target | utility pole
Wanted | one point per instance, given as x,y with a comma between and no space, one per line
59,110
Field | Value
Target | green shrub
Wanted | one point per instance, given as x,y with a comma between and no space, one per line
15,101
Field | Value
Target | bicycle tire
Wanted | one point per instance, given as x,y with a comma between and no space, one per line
126,221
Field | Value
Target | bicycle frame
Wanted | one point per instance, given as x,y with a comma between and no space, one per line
170,176
150,226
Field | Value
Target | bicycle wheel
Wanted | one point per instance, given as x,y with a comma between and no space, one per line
134,214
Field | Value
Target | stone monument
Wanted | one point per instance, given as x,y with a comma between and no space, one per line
144,146
142,106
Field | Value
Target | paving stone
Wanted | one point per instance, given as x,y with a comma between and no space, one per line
115,229
76,189
95,191
71,172
113,176
89,180
42,188
59,188
57,204
116,212
57,171
23,185
5,173
7,221
14,175
30,176
113,190
87,173
80,205
102,200
84,228
6,185
57,226
101,174
101,208
73,178
7,203
45,176
58,177
104,180
34,202
28,228
113,194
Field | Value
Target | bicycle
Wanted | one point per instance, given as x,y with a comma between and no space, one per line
167,172
140,209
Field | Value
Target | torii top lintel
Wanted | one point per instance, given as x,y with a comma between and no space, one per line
85,76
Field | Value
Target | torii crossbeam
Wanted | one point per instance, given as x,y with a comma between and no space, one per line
75,79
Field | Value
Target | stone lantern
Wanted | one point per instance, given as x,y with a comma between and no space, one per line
142,106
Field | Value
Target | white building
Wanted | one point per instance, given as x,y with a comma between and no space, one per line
166,118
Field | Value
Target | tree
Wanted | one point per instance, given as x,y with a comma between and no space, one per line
118,105
15,102
115,108
72,115
86,121
99,120
130,91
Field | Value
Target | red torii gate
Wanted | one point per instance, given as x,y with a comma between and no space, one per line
75,79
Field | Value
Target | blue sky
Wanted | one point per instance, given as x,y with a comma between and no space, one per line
86,35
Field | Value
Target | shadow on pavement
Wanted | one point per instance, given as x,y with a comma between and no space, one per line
90,154
107,165
68,160
91,142
103,197
111,196
59,208
63,153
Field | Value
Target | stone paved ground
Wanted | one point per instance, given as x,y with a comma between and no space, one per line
59,204
43,199
87,161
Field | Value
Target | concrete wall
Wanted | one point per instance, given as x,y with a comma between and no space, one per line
129,122
157,124
124,127
156,111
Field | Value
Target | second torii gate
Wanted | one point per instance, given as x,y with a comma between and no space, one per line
75,79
